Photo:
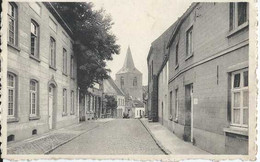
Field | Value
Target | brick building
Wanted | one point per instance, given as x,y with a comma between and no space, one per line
207,62
41,71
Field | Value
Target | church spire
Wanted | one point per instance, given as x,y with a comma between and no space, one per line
129,63
129,66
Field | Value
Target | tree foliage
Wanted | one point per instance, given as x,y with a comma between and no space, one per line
94,43
111,102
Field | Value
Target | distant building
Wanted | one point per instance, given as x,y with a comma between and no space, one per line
202,72
155,58
138,109
91,103
41,73
129,79
110,88
145,99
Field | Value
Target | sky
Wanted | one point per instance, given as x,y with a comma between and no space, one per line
137,23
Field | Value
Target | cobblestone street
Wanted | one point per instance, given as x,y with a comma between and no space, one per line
120,136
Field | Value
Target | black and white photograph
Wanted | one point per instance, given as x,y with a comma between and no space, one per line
129,80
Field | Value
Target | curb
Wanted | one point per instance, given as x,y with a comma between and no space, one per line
49,151
158,143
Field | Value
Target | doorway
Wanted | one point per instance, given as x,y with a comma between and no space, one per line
188,129
50,106
162,113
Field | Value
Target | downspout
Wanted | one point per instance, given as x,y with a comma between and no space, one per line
78,105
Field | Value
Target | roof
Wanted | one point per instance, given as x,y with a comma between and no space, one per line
169,38
160,41
111,82
59,18
138,103
180,21
128,66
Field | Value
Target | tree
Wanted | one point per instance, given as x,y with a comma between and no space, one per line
94,43
111,103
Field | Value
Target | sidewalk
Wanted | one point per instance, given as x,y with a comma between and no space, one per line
45,143
169,142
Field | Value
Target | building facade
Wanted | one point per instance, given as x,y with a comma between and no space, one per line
41,72
163,102
138,109
129,79
155,59
91,103
208,77
110,88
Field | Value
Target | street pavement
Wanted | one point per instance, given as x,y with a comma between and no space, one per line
169,142
44,143
120,136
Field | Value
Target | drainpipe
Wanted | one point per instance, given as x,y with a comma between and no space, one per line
78,105
101,100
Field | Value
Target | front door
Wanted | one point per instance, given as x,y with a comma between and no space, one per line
188,129
51,90
162,113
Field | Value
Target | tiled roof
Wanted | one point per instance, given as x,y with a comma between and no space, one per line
115,87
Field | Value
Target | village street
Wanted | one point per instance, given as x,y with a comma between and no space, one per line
119,136
107,136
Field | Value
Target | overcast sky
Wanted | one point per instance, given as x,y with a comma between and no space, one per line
137,24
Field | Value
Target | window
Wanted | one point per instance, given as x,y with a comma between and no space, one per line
170,103
12,25
72,66
176,105
64,101
11,94
33,97
189,42
34,132
135,81
238,14
88,103
64,61
240,101
91,103
34,39
10,138
177,55
122,81
52,52
72,102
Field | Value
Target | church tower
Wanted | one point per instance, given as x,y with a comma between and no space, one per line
129,79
